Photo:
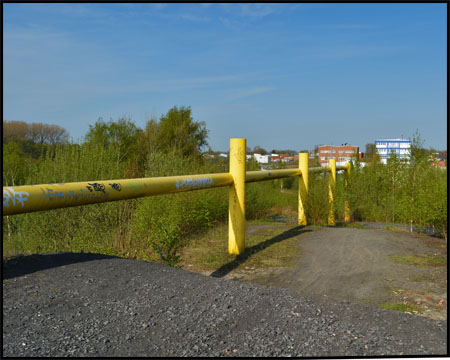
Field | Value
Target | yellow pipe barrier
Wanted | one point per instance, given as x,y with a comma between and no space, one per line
236,208
319,169
331,189
30,198
253,176
302,187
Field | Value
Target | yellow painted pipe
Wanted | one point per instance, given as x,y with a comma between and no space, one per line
30,198
253,176
319,169
331,188
302,187
347,201
236,208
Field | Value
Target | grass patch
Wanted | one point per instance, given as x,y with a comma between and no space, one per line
420,261
271,247
424,278
352,225
405,308
394,228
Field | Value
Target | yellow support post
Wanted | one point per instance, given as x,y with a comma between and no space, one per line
302,187
347,201
236,208
331,188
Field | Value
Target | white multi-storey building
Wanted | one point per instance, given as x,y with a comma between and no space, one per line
400,147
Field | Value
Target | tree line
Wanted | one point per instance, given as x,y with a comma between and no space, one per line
39,133
175,132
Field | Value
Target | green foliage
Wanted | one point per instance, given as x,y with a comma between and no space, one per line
408,308
398,192
122,138
317,203
178,131
160,223
13,164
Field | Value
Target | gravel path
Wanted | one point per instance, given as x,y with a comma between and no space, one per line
95,305
356,265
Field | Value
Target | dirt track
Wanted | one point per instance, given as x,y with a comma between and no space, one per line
356,265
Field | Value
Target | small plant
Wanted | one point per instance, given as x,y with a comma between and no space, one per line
405,308
168,244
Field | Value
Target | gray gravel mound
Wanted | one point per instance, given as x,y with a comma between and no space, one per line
95,305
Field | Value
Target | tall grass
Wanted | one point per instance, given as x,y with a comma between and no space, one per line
85,228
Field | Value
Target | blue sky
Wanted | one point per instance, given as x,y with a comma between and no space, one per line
283,76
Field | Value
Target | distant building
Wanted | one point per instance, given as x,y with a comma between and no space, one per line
286,158
275,158
439,159
343,154
387,147
262,159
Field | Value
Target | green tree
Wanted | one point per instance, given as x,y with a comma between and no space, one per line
14,131
13,164
122,136
178,130
259,150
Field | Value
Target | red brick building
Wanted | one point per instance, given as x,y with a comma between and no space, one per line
342,154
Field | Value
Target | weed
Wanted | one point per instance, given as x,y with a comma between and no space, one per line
352,225
424,278
394,228
408,308
420,261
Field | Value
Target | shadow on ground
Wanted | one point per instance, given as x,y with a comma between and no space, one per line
24,265
251,250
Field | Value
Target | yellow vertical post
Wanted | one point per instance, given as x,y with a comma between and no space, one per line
302,187
236,210
347,201
331,188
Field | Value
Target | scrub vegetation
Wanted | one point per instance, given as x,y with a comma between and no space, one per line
412,193
157,228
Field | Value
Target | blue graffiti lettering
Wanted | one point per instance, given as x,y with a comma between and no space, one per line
11,194
194,184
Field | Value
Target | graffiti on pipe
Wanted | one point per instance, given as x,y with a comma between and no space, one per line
10,194
96,187
50,194
116,186
194,184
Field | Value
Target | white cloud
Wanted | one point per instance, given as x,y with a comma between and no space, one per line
244,93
